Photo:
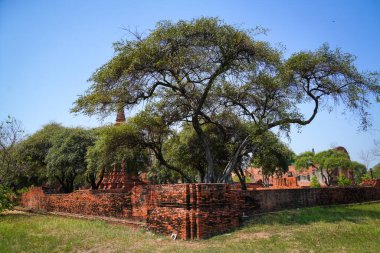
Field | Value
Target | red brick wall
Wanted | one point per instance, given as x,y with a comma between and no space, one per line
264,200
290,182
35,198
371,182
250,186
215,209
87,202
193,211
141,201
170,210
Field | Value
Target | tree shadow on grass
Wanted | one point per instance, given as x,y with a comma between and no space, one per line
330,214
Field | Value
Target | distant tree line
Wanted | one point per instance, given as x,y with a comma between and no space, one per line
69,158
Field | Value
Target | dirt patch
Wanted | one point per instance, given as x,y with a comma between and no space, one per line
14,212
261,235
108,248
253,236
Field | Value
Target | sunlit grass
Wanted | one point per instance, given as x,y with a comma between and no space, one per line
353,228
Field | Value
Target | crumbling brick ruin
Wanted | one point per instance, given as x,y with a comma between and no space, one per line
193,211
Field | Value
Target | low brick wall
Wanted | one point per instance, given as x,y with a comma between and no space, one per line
194,211
87,202
265,200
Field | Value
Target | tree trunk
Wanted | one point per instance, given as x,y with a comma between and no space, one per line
162,161
232,164
101,176
210,174
330,176
91,179
327,182
265,180
201,175
63,182
241,177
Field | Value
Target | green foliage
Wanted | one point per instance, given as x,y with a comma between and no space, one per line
359,170
332,159
343,181
366,177
158,174
114,146
7,198
117,144
314,183
310,65
184,150
32,154
65,159
328,163
376,171
304,160
271,154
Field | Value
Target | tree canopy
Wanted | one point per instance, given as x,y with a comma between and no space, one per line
65,159
195,71
328,162
271,155
32,154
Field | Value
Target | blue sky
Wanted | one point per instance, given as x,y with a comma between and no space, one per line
48,50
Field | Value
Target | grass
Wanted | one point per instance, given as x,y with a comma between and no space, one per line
354,228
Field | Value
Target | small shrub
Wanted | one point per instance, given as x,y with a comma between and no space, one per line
7,198
366,177
23,190
343,181
314,183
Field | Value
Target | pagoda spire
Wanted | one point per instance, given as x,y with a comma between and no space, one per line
120,117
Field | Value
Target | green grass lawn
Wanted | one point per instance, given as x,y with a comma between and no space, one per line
353,228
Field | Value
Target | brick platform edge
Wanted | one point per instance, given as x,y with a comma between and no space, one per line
193,211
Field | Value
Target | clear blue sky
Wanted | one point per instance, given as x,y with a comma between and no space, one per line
48,49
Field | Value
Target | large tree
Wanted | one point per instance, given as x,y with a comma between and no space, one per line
196,70
328,163
65,159
32,153
271,155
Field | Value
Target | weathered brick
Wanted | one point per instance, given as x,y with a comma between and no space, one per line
194,211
